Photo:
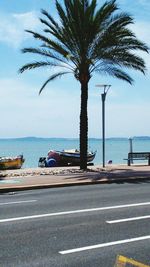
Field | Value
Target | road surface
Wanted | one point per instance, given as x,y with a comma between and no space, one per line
85,226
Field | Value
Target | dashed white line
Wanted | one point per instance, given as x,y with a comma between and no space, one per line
114,243
17,202
129,219
72,212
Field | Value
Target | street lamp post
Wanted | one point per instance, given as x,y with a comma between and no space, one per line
131,147
103,97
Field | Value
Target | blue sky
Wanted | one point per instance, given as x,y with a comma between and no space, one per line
55,113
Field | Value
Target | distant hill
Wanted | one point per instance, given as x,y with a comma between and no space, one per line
33,138
141,137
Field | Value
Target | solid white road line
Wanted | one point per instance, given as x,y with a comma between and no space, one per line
17,202
129,219
72,212
114,243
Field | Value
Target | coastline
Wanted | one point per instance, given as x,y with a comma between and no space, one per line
39,171
110,169
40,178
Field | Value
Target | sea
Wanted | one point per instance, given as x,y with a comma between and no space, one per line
32,148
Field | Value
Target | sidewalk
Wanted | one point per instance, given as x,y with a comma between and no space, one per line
35,178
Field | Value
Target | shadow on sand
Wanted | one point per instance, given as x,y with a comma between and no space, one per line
118,176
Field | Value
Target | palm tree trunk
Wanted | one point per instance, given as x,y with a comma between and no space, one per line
84,126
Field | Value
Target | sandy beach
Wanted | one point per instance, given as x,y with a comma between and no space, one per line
38,171
119,169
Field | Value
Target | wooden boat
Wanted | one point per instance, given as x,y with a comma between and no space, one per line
64,158
72,156
8,163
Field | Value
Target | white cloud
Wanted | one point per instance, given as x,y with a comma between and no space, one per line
141,29
27,19
25,113
56,112
144,2
12,27
136,3
121,120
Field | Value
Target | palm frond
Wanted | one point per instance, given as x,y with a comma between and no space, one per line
56,31
45,53
34,65
51,78
120,59
105,12
51,44
116,72
85,39
53,21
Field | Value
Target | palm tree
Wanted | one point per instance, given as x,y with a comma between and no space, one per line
86,39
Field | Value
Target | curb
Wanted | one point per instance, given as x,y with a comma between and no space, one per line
58,185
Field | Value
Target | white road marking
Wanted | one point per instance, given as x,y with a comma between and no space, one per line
114,243
17,202
72,212
129,219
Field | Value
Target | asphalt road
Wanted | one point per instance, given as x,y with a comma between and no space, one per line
76,226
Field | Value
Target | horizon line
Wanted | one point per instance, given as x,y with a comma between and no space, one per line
66,138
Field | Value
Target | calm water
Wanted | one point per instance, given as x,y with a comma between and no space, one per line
32,149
